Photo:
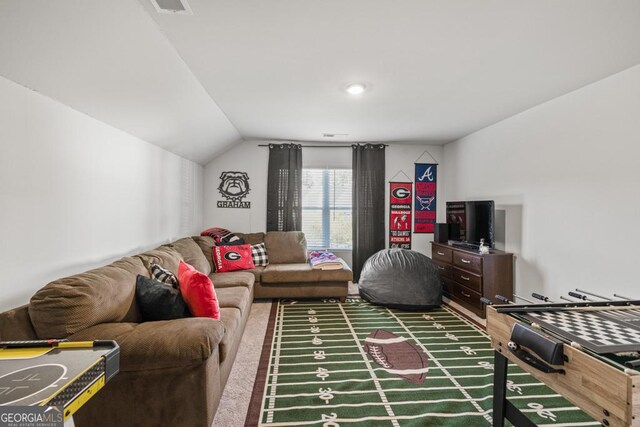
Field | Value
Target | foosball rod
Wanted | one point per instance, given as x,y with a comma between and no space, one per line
628,299
562,297
594,295
504,299
541,297
614,314
524,299
620,315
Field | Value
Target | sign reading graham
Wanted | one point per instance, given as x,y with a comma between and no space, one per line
234,186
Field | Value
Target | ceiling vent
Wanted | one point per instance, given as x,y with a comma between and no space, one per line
172,6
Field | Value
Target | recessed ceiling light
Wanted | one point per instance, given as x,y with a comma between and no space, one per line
355,88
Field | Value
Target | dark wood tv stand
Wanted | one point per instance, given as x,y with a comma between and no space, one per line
468,276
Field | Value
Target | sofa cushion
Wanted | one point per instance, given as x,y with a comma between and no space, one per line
233,258
157,345
252,238
166,256
163,275
233,278
106,294
231,318
15,325
236,297
285,247
303,273
206,244
259,255
192,254
257,272
159,301
197,290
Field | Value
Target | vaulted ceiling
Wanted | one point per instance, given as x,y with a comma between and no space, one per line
197,84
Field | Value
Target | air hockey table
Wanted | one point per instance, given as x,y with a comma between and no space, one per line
60,373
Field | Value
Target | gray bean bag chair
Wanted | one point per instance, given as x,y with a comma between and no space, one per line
401,278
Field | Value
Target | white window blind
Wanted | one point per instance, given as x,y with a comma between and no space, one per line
326,208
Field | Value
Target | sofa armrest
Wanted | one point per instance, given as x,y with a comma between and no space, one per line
158,345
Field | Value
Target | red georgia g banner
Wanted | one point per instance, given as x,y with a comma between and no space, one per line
401,195
426,180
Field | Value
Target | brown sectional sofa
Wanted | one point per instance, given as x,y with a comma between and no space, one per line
171,372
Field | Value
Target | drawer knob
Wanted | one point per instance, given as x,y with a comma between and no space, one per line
466,261
464,277
440,253
466,295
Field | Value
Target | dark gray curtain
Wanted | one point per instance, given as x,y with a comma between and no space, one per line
368,203
284,188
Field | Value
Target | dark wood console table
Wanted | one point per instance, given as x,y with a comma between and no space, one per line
468,276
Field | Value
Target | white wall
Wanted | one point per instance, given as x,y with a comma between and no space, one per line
76,193
567,176
249,157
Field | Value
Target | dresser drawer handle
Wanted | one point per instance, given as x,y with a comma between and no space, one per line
440,253
466,261
466,295
464,277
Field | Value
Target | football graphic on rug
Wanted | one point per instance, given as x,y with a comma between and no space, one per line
397,355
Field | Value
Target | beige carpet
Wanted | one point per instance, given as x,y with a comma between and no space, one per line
237,392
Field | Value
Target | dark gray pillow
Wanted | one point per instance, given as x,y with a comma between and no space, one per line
159,301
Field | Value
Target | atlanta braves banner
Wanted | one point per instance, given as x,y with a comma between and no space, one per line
425,214
400,214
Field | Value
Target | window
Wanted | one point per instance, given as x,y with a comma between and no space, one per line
326,208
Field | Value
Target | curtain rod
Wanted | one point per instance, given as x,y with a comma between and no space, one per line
321,146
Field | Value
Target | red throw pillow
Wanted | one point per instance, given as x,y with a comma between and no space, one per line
197,291
231,258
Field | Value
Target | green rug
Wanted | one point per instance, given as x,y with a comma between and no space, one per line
331,364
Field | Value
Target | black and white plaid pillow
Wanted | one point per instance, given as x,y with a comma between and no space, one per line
259,255
163,275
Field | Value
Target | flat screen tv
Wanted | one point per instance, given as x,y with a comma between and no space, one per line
468,222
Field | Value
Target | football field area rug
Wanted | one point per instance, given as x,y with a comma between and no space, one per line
329,364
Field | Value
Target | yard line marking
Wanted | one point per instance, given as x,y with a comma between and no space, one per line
377,322
451,378
398,379
364,336
357,405
274,374
436,368
457,328
326,354
381,392
341,371
458,350
586,423
379,418
405,390
466,358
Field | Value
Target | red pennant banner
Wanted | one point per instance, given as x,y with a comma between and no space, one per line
426,182
401,197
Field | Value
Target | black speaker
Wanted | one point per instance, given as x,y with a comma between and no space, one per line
440,233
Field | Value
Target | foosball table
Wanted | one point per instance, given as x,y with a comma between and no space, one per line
57,374
587,350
